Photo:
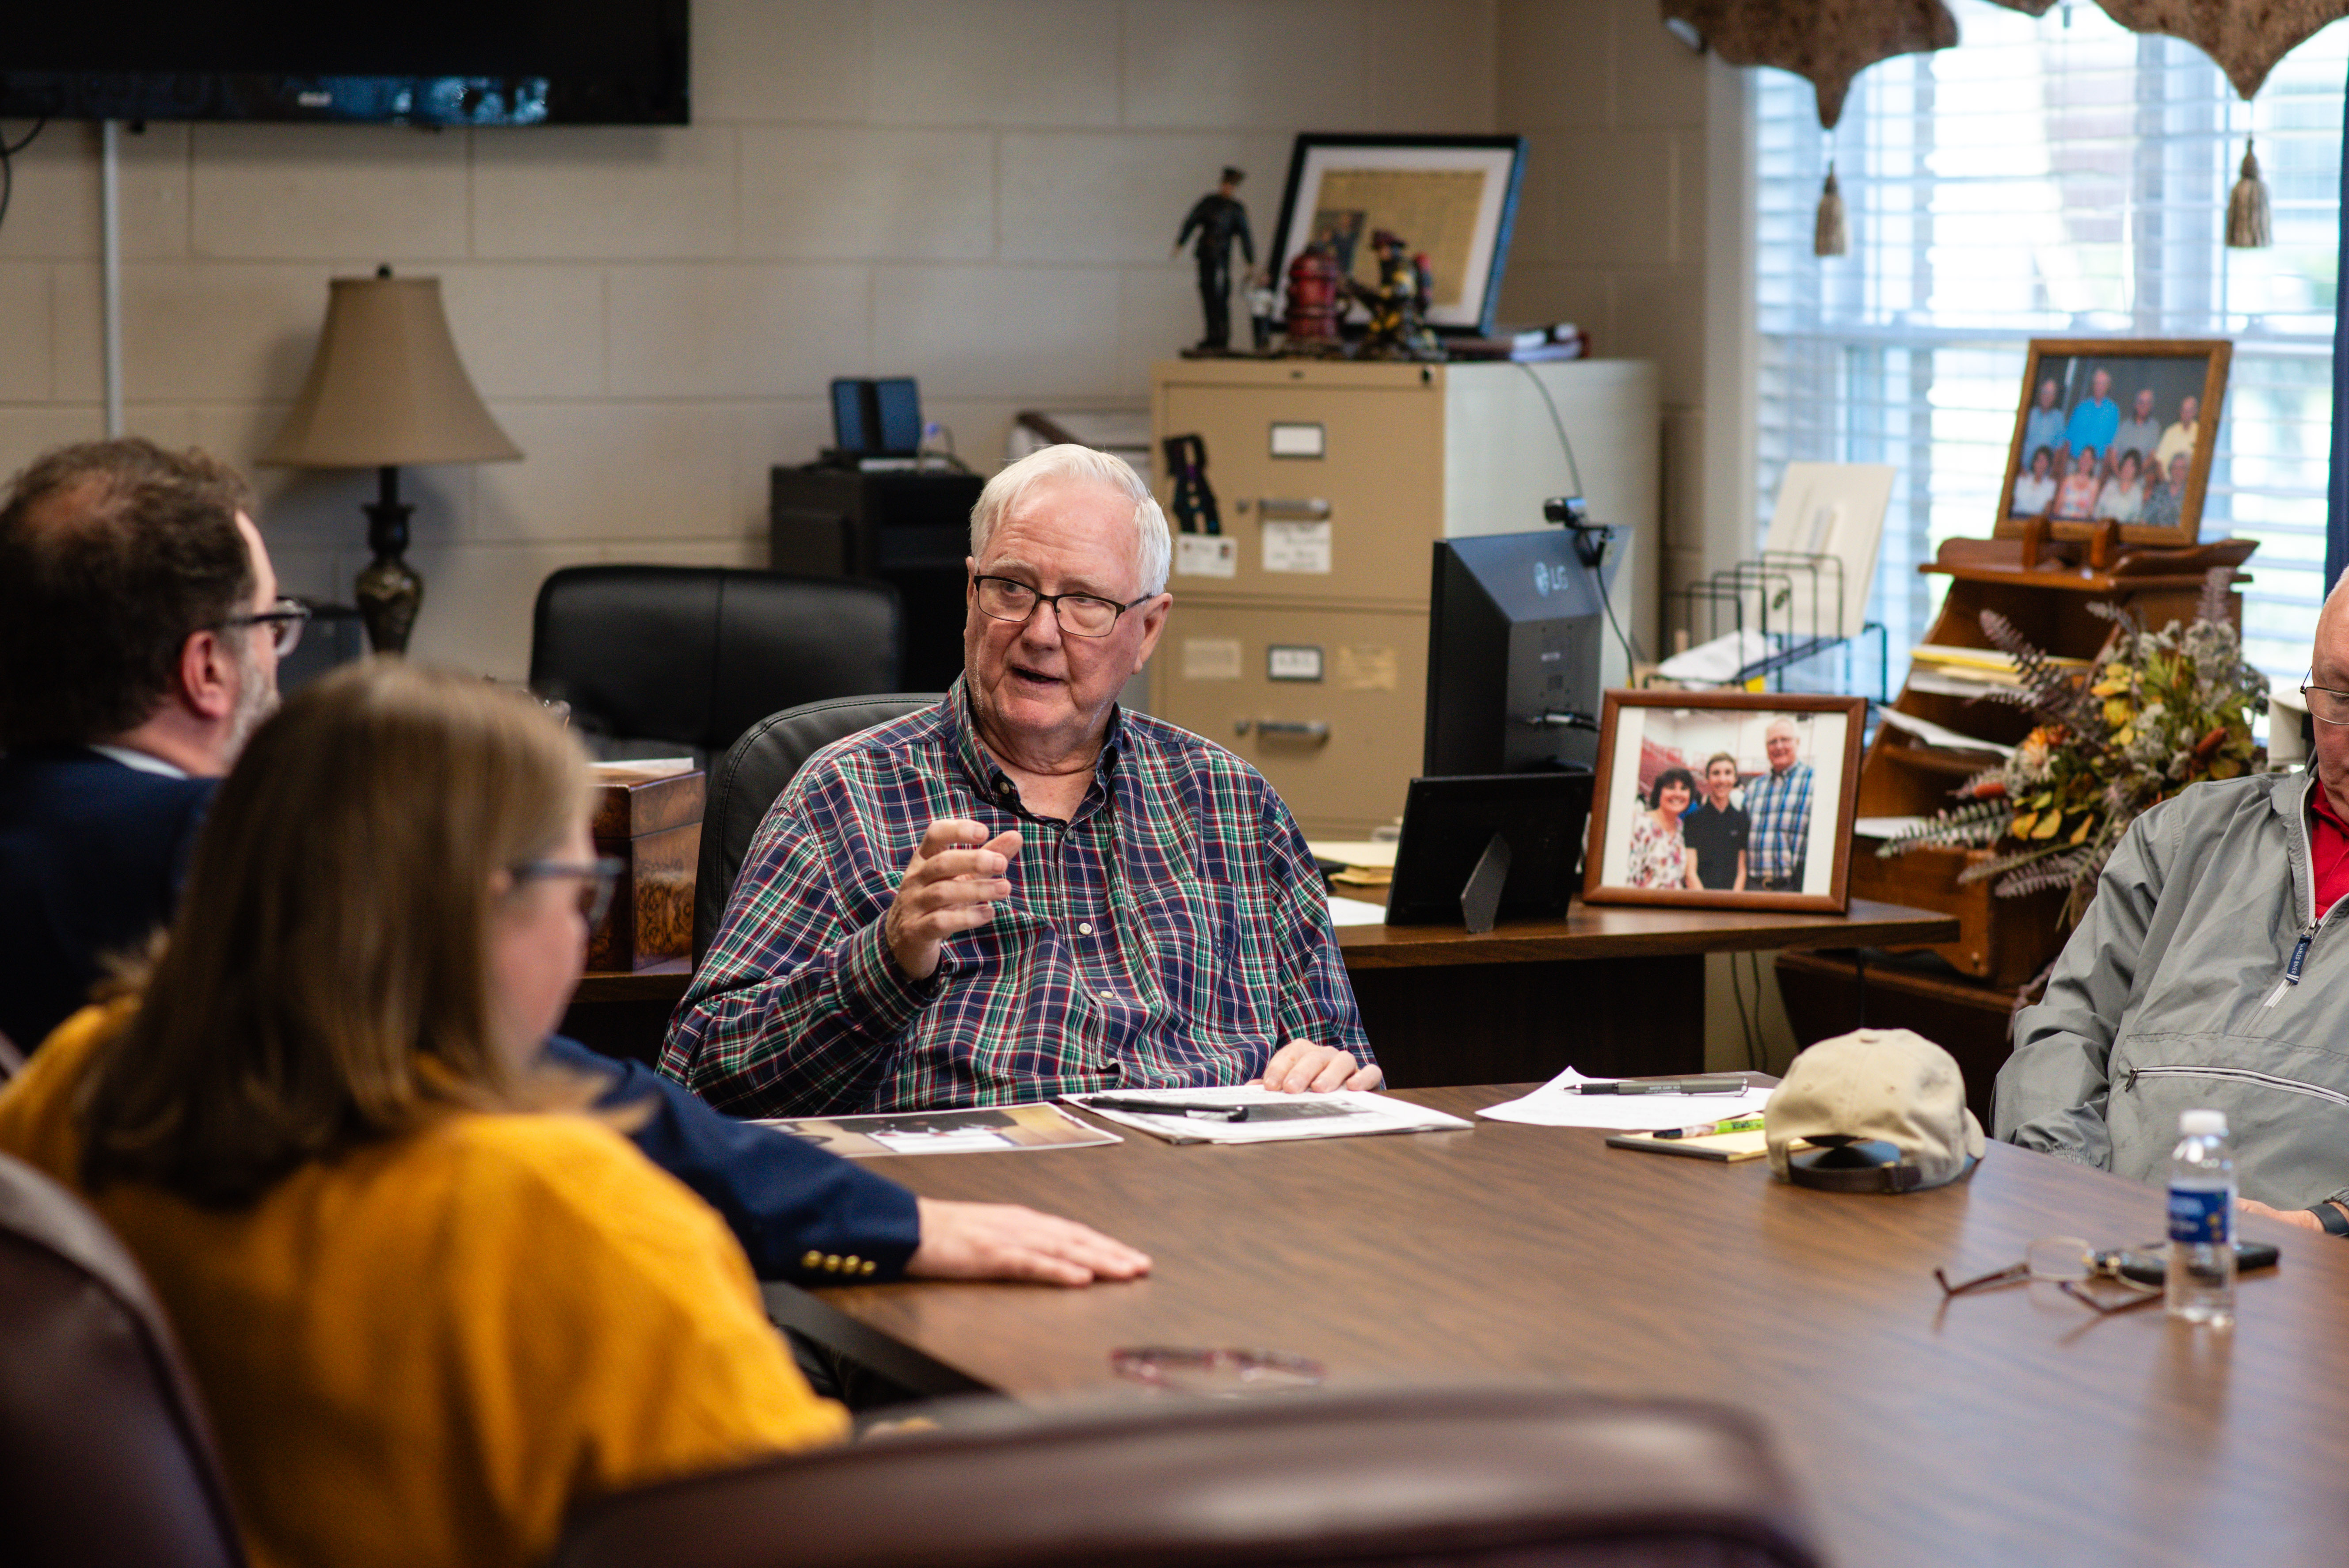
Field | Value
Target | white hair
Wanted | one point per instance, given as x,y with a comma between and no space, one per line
1152,546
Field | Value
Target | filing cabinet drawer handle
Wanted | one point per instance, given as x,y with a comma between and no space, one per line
1285,728
1310,509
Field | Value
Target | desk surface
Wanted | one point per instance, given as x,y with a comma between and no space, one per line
2011,1426
1617,930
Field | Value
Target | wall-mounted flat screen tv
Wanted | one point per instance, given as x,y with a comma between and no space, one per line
405,62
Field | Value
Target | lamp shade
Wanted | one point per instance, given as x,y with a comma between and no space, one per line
387,387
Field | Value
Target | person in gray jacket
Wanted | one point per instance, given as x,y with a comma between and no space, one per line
2205,974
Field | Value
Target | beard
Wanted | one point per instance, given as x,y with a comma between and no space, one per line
256,695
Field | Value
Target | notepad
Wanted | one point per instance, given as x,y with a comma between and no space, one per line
1728,1146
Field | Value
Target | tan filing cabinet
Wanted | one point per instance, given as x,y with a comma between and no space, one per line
1300,638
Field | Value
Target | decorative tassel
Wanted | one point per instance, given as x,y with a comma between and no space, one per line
2247,208
1832,234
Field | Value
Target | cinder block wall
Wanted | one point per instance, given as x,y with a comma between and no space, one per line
976,192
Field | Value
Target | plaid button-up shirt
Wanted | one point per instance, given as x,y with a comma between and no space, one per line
1778,809
1171,934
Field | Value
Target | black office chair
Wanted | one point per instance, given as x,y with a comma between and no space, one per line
688,657
1474,1478
105,1458
754,772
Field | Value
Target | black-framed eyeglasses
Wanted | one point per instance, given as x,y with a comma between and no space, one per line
285,619
597,879
1080,614
2325,705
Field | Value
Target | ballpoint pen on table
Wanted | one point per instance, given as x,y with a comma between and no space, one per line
1687,1086
1708,1129
1165,1108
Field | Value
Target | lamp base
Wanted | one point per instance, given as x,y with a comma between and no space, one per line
390,591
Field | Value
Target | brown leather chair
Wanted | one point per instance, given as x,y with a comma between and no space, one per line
1505,1478
105,1459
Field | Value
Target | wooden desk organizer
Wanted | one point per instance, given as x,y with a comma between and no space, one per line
650,820
2044,587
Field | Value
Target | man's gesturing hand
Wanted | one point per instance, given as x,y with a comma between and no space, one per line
1004,1241
1301,1067
947,887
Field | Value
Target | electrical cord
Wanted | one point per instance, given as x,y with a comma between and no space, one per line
1631,658
7,167
1573,471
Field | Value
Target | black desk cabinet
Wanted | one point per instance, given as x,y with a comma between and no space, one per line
909,530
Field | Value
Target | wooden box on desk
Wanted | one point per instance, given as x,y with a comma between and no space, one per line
649,818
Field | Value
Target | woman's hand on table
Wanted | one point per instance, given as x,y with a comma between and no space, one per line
1006,1241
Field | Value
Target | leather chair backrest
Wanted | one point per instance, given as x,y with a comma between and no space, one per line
754,771
105,1459
1507,1478
693,655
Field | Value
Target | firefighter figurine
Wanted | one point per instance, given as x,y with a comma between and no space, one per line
1397,303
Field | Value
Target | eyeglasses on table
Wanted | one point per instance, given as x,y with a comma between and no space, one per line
1228,1373
2073,1266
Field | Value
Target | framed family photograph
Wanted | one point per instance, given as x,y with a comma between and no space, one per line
1733,800
2116,430
1453,198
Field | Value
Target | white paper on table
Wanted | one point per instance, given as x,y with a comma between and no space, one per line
1356,912
1552,1106
1355,852
1342,1113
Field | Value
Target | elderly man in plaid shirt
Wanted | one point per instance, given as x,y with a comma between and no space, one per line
1026,891
1778,805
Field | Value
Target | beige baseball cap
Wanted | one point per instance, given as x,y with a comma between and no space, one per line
1893,1105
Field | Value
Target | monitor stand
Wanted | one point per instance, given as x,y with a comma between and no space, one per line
1480,901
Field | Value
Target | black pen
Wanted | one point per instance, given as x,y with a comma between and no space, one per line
1691,1085
1166,1108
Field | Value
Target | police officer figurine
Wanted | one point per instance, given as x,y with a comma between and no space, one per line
1219,219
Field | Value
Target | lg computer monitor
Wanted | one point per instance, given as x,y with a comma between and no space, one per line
1513,650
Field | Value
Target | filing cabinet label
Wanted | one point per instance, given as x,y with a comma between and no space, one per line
1296,547
1206,555
1211,658
1292,662
1369,667
1300,440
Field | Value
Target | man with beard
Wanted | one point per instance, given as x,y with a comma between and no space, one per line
140,634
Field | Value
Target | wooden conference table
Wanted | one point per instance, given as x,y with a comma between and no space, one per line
2010,1427
1614,990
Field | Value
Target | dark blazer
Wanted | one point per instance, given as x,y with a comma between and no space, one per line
92,854
91,857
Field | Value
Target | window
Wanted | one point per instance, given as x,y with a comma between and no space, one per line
2051,177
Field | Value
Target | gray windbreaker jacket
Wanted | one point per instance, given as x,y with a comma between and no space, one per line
2201,975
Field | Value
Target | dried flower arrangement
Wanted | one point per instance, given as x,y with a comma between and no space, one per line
2160,711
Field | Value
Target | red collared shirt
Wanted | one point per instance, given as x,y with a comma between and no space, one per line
2328,848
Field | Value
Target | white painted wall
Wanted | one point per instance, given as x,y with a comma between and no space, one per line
975,192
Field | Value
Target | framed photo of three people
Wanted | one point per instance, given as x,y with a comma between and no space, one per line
2116,430
1735,799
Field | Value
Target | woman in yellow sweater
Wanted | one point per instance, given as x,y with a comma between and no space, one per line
432,1303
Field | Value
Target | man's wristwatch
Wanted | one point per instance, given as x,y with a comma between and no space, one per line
2330,1215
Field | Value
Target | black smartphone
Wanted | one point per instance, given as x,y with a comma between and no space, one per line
2150,1265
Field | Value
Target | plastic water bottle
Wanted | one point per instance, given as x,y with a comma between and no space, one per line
2201,1272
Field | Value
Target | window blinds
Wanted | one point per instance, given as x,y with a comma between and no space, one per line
2051,177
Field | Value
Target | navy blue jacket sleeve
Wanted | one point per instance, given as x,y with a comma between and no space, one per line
795,1207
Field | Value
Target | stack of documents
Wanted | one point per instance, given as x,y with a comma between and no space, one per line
1970,672
1268,1117
1558,1104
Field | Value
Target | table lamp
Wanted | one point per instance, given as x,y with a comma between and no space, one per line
386,388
